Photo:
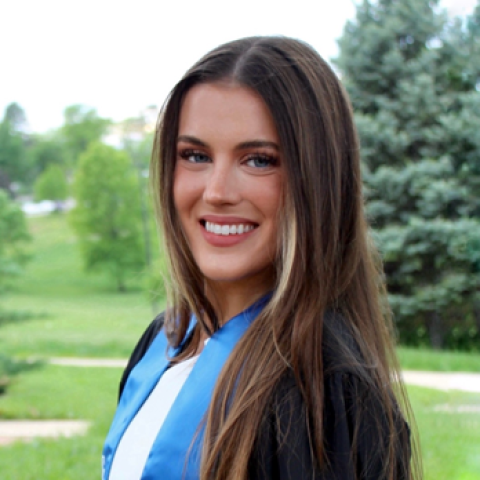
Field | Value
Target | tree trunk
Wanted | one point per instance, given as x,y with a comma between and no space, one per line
435,330
6,184
121,284
476,315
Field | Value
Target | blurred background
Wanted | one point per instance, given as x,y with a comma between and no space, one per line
81,265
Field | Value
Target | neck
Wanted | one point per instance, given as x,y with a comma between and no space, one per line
231,298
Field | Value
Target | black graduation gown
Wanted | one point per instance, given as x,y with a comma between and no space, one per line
282,450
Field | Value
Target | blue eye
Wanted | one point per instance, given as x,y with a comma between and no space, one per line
193,156
261,161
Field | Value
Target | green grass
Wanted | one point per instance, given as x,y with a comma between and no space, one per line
438,361
75,314
59,393
450,440
80,314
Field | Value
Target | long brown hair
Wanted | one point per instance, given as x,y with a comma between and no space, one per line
325,268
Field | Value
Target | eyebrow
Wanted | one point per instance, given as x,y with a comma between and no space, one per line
241,146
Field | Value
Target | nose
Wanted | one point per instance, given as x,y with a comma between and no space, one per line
222,185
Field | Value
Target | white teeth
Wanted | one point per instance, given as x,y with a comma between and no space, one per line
227,229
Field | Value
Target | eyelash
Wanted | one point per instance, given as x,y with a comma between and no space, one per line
269,159
186,154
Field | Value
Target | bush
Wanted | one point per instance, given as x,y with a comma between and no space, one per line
10,367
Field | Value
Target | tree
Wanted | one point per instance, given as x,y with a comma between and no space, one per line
107,213
13,154
81,128
413,81
140,151
136,138
14,238
52,185
46,150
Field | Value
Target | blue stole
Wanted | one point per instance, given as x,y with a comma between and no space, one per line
176,451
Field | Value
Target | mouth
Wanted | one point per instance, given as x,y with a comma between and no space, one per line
228,229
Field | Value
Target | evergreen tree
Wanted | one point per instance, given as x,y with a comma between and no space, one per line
107,213
13,240
414,85
13,153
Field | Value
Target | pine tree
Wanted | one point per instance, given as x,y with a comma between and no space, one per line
414,85
14,239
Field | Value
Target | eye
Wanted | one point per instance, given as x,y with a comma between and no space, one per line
261,161
194,156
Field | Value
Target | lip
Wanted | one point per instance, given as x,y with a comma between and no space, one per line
225,240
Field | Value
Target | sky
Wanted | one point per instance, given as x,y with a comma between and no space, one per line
121,56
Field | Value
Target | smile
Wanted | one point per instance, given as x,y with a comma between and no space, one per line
233,229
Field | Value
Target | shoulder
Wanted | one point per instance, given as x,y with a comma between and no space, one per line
361,414
141,347
356,422
356,434
340,350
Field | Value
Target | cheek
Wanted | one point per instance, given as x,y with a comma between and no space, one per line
269,198
183,190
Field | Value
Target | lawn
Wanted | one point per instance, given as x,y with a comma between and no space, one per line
76,314
59,393
72,313
449,428
450,440
438,361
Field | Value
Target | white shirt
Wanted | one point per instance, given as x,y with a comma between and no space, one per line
137,441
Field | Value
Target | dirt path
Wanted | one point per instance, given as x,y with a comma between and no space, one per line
465,381
23,430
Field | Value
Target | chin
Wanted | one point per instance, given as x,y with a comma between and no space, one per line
241,277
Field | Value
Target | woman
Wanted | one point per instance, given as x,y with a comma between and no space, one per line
279,360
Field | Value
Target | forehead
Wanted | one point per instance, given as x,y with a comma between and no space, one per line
228,111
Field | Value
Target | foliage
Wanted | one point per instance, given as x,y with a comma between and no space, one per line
82,126
47,150
107,215
413,78
13,152
71,312
139,150
13,239
10,367
156,280
51,184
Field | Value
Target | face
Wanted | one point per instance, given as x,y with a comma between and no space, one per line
228,183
